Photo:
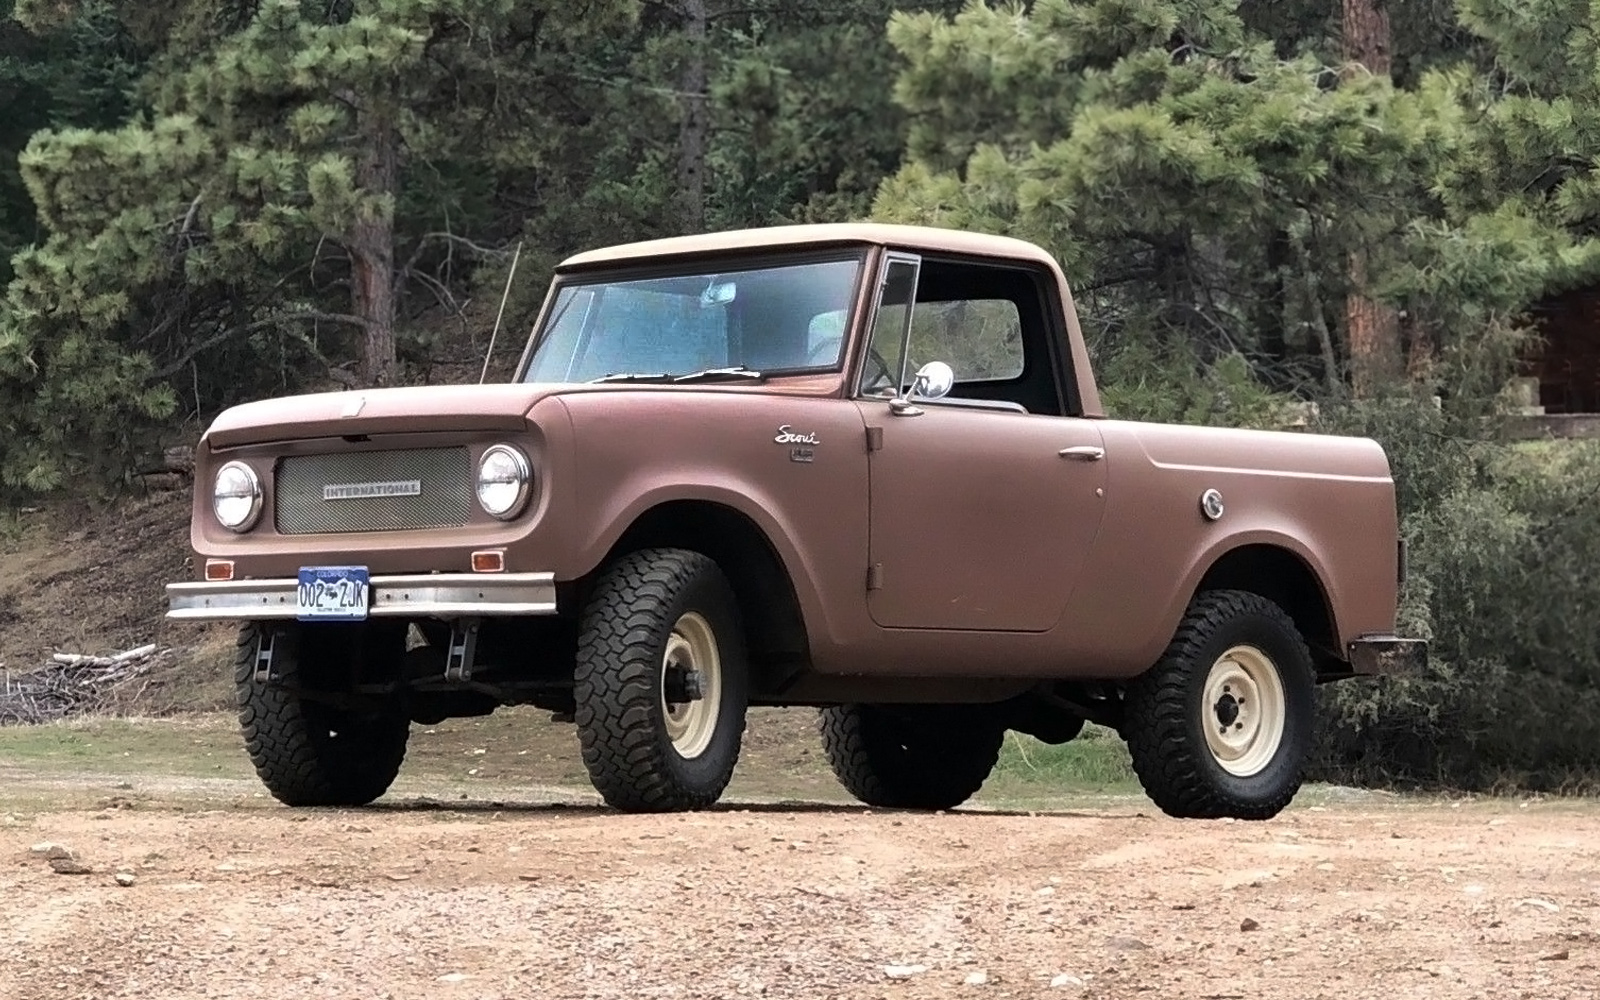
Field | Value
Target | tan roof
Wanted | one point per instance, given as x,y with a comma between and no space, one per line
924,238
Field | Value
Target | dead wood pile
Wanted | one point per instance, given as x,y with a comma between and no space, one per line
75,684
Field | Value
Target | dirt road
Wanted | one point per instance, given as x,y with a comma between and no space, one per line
483,900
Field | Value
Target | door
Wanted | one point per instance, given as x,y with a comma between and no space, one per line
978,521
984,503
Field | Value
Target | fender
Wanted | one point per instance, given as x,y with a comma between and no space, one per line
723,450
605,532
1209,556
1327,502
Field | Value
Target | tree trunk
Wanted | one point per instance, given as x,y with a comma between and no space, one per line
1374,333
1373,328
1367,39
695,132
371,246
1419,349
1316,315
1270,307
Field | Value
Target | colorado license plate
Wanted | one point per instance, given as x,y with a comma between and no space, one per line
333,593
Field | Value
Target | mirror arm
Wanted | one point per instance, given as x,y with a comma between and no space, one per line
933,381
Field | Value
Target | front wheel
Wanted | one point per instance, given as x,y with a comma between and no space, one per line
307,748
660,682
1222,725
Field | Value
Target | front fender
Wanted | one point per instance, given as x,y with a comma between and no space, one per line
630,453
612,524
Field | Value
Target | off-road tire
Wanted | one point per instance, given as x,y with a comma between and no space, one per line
1165,712
307,752
910,756
626,625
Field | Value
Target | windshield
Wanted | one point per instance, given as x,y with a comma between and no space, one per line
757,319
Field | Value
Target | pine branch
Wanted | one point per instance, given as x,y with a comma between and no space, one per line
453,240
1114,280
311,316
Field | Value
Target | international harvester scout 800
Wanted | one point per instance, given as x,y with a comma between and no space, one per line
859,468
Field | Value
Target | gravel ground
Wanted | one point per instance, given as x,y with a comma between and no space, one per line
487,900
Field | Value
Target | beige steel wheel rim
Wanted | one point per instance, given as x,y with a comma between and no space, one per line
692,645
1243,711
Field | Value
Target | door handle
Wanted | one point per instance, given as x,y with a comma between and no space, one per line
1087,452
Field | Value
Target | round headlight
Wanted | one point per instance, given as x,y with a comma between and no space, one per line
503,478
236,496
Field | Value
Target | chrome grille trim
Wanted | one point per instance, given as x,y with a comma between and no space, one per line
445,498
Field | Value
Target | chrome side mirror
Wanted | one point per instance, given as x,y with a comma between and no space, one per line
934,380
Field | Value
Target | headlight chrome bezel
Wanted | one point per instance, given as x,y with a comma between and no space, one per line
249,490
521,476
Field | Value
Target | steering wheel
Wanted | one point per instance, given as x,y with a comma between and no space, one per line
882,379
826,352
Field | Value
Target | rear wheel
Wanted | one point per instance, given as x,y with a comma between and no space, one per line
306,750
910,756
660,682
1221,726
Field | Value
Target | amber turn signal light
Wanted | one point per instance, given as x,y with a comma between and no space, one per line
489,561
219,569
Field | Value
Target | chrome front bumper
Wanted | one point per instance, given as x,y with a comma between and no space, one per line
440,595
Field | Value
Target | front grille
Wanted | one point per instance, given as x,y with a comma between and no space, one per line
442,478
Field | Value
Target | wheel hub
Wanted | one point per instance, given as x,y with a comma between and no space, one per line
691,685
682,685
1227,709
1243,711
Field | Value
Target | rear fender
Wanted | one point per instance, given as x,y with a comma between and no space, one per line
1217,551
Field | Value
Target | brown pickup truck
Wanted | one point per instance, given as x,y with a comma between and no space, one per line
859,468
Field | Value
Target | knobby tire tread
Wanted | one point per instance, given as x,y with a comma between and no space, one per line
296,765
905,761
616,681
1174,768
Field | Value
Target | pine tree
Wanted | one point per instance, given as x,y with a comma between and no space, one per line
81,76
720,115
294,153
1538,116
1205,193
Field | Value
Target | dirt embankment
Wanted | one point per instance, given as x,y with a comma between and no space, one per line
81,579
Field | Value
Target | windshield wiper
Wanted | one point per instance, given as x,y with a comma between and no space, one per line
735,373
632,377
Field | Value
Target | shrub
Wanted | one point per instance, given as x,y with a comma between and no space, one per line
1504,540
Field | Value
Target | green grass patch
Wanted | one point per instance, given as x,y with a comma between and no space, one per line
152,759
200,746
1095,761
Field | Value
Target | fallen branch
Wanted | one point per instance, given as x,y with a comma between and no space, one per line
79,660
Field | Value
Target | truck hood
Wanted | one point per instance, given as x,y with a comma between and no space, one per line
379,411
496,407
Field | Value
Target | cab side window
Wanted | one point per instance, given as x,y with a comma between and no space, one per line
981,339
990,323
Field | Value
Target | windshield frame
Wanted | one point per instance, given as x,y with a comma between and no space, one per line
859,254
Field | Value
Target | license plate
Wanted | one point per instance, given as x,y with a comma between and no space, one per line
332,593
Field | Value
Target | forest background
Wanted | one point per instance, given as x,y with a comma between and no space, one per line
1337,213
